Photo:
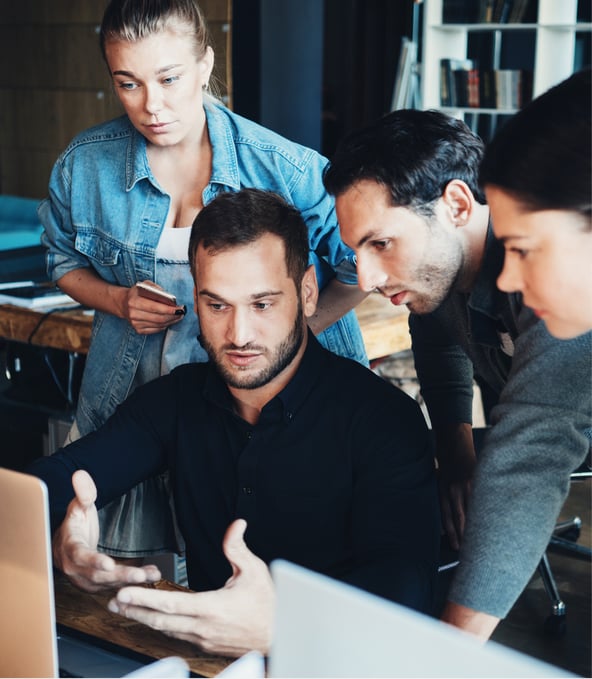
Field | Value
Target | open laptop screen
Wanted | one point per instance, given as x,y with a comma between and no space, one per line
324,628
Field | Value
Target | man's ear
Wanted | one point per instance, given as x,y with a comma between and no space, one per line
459,201
309,291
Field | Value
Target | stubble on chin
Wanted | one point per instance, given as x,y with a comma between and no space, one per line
238,377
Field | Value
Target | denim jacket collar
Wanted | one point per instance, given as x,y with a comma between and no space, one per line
225,165
136,162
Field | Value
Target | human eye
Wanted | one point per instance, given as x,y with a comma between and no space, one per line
262,306
127,85
381,244
521,253
170,79
217,306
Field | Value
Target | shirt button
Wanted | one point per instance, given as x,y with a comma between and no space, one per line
249,435
289,415
247,490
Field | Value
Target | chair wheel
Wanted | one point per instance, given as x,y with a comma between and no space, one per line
555,626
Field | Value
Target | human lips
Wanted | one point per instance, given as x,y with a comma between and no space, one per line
242,359
399,298
539,312
158,128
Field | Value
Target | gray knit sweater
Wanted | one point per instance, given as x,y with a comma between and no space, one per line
540,429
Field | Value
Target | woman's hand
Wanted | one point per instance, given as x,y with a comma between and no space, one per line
147,316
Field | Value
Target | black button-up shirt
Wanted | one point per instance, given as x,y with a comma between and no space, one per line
337,474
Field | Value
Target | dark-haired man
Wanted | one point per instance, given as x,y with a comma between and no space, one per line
274,432
409,204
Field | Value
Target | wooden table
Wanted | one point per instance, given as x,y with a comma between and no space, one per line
384,327
88,613
69,330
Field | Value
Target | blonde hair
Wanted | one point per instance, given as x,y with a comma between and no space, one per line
132,20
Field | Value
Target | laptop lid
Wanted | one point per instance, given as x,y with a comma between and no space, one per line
30,646
27,619
324,628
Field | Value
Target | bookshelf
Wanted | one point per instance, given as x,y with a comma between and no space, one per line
545,47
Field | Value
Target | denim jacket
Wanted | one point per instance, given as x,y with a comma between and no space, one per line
106,211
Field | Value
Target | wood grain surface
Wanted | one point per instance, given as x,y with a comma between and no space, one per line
88,613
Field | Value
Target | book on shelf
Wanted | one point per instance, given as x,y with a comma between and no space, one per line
501,11
487,89
464,85
504,11
513,88
34,295
488,11
459,82
403,91
521,10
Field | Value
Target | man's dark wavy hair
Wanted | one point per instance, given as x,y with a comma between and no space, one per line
238,218
414,154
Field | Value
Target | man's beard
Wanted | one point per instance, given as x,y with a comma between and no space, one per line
439,282
282,357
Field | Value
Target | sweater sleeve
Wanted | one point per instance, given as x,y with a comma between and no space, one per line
540,434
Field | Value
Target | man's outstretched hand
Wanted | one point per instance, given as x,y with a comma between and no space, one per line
229,621
75,545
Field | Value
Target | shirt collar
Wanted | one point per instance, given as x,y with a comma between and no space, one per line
287,403
485,295
489,307
296,392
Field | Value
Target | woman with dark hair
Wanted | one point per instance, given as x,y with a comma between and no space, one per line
537,178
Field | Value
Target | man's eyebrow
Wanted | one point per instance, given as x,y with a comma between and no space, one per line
266,293
255,296
364,239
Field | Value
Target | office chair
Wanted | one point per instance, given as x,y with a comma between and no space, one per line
563,541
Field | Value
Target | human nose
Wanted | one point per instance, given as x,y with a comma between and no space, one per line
153,100
510,279
370,277
240,328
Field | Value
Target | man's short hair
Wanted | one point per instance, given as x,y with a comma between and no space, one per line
238,218
414,154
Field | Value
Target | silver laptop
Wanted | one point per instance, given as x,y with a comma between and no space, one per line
324,628
30,646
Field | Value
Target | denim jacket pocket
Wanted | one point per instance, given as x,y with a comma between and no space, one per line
102,251
107,257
